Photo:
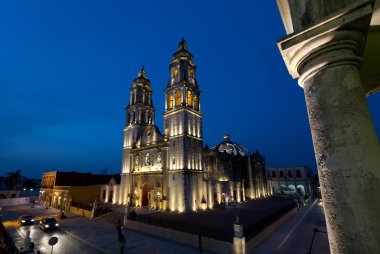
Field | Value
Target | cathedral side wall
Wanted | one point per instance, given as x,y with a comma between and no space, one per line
176,192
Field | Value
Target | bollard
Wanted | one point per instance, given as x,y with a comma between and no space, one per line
239,239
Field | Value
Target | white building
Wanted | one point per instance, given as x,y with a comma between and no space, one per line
300,179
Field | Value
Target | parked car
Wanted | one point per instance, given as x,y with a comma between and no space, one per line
26,220
232,203
286,191
48,224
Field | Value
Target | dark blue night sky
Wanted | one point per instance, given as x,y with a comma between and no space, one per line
66,68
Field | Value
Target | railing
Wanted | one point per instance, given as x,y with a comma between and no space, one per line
221,233
188,227
84,206
101,210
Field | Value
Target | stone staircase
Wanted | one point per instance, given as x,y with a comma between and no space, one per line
112,217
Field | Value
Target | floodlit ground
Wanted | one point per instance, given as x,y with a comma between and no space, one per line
80,235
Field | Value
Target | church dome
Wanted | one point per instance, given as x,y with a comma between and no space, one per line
231,147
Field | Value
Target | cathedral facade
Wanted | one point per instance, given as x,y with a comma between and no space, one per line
172,170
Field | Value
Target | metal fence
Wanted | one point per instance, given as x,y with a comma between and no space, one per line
187,226
84,206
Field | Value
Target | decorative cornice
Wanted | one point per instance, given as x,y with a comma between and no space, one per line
182,108
339,39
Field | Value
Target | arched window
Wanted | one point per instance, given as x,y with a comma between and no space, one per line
143,119
175,73
171,101
196,105
189,98
178,98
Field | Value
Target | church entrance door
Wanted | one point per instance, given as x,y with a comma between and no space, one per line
145,194
111,196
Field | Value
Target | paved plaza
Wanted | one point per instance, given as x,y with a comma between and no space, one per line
81,235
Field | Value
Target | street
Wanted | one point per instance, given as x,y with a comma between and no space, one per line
82,235
66,243
296,234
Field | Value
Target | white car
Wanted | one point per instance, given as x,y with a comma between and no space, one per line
286,191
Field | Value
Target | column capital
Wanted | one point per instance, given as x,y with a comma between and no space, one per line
338,39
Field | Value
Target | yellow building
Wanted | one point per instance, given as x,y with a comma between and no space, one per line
65,189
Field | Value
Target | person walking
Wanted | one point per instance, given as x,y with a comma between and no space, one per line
118,228
297,203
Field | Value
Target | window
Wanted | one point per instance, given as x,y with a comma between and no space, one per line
298,173
175,73
178,98
171,101
104,194
290,173
274,174
191,73
196,105
281,173
189,98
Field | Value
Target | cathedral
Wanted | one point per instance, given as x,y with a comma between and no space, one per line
173,170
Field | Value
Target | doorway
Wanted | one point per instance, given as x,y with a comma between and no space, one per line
145,194
111,196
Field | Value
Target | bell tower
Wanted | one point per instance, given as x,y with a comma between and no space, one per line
183,128
139,113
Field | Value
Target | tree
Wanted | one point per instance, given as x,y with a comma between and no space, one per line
13,181
29,184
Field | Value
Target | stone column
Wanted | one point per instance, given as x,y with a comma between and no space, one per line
250,178
107,193
326,58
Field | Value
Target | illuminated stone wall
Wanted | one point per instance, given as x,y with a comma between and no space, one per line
168,171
